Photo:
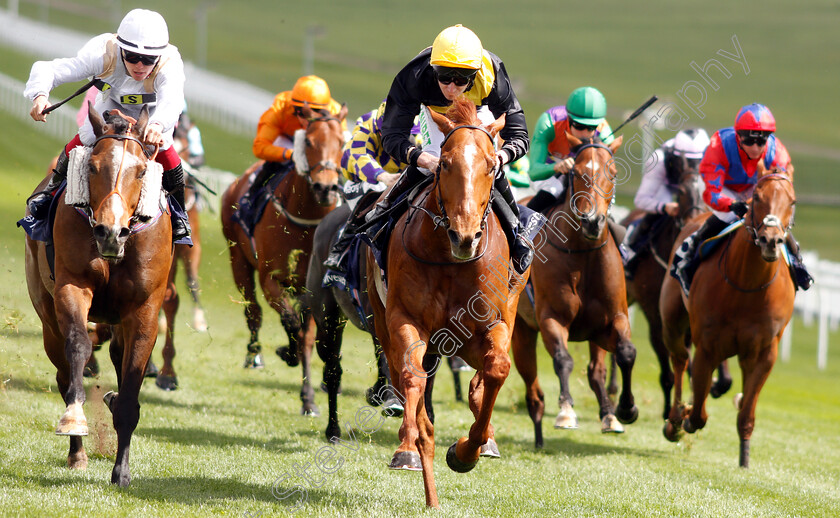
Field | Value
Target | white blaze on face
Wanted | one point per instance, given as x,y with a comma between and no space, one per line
470,152
594,166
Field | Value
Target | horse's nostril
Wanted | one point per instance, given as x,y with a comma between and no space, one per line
124,233
453,236
478,235
100,232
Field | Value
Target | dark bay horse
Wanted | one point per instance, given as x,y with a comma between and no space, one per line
579,294
282,241
106,270
646,284
739,303
450,290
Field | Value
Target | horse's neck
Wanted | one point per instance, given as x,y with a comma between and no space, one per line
743,262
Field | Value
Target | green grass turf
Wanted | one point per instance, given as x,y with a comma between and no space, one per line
219,443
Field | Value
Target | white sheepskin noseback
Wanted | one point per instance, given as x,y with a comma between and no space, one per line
150,193
78,177
299,153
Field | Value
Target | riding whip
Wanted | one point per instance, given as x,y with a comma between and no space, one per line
636,113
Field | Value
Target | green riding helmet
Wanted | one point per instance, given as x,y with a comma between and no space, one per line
587,106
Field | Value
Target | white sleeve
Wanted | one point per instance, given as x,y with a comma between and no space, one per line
169,89
46,75
653,191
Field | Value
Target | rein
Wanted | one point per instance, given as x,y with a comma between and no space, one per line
442,220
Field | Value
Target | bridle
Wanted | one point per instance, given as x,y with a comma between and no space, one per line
125,138
770,220
442,219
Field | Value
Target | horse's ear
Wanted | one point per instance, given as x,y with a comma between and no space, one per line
761,169
496,126
96,121
616,143
442,122
573,140
342,114
140,127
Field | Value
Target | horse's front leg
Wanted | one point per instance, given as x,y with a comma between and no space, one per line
405,360
625,357
675,324
524,346
72,305
755,372
463,454
702,369
192,260
556,340
139,331
307,344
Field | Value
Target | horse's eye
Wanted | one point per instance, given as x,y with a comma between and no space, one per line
142,173
308,143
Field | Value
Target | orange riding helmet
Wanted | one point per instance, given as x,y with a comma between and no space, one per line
312,90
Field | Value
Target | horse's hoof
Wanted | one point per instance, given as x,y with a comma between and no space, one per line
72,422
688,427
736,401
284,353
407,460
199,322
455,464
720,387
610,424
333,432
627,416
311,411
253,361
490,449
91,368
671,432
108,398
392,408
151,370
371,397
167,383
566,419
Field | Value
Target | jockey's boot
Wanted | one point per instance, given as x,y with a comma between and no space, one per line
173,182
407,180
506,209
542,201
689,258
618,232
263,176
39,203
801,278
634,238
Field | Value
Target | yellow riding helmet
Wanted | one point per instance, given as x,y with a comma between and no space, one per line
457,47
312,90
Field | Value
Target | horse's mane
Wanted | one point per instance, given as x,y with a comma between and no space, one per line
463,111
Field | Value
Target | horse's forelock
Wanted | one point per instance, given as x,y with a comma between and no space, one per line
463,111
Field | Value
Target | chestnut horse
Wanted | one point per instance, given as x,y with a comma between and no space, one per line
448,256
739,303
282,241
579,294
651,270
106,270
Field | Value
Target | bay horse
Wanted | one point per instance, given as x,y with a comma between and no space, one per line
108,269
740,300
579,294
282,241
652,268
448,269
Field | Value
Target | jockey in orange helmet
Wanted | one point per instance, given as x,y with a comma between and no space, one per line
729,169
274,141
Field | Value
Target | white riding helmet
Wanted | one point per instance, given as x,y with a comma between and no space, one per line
691,143
143,32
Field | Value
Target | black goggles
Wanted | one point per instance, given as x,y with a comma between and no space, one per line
753,138
459,76
581,127
298,112
134,58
